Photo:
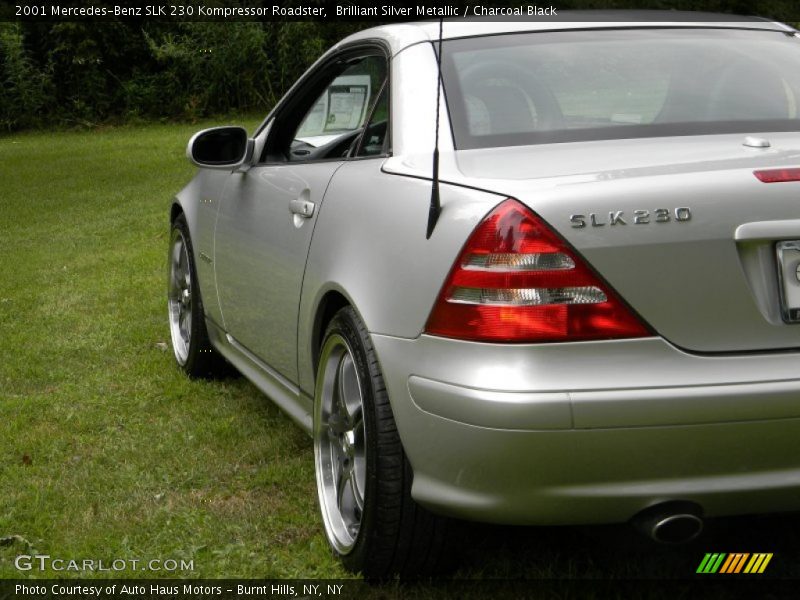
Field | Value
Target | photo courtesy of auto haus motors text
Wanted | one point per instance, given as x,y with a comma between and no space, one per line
171,590
330,299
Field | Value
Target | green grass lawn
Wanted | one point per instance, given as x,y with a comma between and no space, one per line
109,452
107,449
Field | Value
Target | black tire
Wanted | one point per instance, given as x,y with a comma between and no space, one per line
393,535
190,344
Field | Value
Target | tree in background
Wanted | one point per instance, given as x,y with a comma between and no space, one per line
84,73
81,73
25,89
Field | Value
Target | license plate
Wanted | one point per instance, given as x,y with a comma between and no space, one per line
788,254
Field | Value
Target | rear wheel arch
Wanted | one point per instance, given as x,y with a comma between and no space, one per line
175,211
331,303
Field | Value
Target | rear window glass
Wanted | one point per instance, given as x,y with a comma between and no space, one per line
604,84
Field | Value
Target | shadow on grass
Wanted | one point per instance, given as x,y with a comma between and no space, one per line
615,561
620,552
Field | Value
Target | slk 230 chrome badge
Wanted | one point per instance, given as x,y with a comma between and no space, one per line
636,217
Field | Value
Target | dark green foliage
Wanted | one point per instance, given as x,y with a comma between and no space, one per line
202,68
24,89
85,73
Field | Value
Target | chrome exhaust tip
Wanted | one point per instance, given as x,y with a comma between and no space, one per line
675,522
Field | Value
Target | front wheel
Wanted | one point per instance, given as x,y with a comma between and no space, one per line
363,477
190,343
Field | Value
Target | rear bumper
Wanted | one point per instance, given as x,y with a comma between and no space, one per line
593,432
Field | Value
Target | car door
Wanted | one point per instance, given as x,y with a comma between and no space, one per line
267,213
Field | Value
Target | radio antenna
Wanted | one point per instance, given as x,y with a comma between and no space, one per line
436,206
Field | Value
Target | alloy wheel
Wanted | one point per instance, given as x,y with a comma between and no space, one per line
340,444
180,297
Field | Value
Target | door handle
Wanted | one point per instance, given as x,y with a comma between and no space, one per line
302,208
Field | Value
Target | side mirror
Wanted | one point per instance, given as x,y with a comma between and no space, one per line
225,148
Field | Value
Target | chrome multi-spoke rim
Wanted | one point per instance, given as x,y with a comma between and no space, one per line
180,297
340,444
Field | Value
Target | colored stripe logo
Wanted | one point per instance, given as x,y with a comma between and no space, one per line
736,562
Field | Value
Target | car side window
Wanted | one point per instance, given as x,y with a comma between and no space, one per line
374,140
325,120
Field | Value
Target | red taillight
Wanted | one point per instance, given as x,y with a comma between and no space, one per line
517,281
778,175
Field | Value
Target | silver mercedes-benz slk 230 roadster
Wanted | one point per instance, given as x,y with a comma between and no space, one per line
596,318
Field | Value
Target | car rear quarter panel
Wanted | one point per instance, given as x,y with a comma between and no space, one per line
369,246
